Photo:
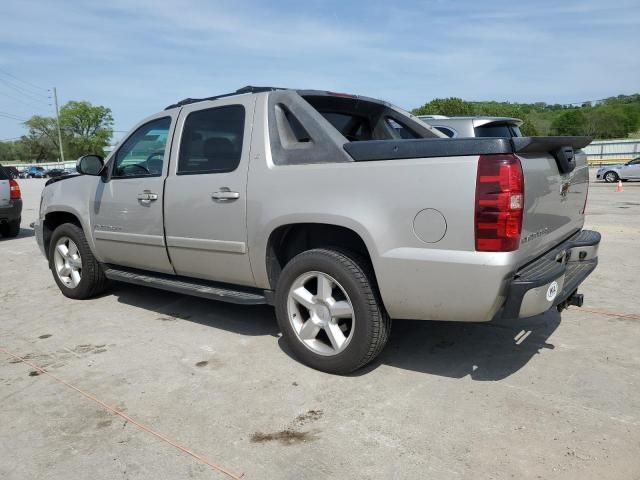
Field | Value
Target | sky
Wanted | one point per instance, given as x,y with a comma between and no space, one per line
138,56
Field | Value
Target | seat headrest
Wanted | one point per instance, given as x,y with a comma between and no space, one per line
217,147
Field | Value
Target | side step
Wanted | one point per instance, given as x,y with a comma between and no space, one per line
188,286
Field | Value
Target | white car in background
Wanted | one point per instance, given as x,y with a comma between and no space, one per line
457,127
622,171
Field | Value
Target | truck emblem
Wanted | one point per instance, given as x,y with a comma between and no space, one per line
552,291
564,189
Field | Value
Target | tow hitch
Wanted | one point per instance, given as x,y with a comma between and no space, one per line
575,298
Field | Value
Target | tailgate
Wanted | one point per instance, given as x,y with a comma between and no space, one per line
554,202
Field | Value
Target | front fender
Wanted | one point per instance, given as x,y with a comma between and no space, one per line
73,196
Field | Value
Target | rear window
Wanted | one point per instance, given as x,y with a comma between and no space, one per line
353,127
359,119
498,130
4,175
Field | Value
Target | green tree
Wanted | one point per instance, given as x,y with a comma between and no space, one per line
41,141
607,122
570,122
87,128
451,107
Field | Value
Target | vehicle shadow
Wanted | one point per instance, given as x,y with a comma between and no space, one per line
484,351
24,233
252,320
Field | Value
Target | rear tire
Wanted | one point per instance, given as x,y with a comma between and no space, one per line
330,312
11,229
611,177
75,270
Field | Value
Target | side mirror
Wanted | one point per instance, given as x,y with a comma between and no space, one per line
90,165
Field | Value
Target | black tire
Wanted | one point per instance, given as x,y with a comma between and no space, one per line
372,324
11,229
614,177
92,280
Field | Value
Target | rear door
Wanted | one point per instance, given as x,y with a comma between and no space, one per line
5,189
127,209
206,203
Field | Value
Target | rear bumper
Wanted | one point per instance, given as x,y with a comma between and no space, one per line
553,279
11,212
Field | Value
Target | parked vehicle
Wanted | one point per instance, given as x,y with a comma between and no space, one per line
331,208
12,171
622,171
55,172
35,172
474,126
10,204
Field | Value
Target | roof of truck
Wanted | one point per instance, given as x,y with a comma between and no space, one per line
253,89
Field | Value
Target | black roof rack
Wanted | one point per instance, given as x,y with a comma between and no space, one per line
247,89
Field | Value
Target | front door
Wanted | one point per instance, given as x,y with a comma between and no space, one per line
127,209
205,215
632,169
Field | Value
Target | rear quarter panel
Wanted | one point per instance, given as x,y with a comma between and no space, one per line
379,201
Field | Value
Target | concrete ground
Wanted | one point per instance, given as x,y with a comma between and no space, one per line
443,401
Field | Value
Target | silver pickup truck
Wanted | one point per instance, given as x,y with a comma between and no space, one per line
332,208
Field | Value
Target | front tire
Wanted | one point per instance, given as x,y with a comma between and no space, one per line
611,177
330,312
75,270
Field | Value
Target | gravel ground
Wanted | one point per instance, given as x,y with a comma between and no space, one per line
552,397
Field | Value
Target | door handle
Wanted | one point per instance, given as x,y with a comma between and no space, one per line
225,194
147,196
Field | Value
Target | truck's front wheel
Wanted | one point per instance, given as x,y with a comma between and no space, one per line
75,269
329,311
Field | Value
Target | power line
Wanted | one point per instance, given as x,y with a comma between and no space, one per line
35,96
7,114
23,81
23,101
24,94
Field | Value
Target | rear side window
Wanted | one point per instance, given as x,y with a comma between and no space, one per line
498,130
3,174
212,140
401,129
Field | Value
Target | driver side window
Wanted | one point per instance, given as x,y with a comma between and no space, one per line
142,154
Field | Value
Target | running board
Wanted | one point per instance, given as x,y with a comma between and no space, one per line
188,286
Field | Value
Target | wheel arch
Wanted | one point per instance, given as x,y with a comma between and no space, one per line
53,220
288,240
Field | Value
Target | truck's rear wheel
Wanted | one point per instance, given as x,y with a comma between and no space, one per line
75,269
329,311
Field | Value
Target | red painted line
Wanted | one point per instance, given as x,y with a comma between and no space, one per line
117,412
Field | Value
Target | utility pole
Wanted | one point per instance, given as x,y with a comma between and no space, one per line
55,100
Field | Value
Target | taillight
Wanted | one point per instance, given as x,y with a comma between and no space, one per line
14,189
499,203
